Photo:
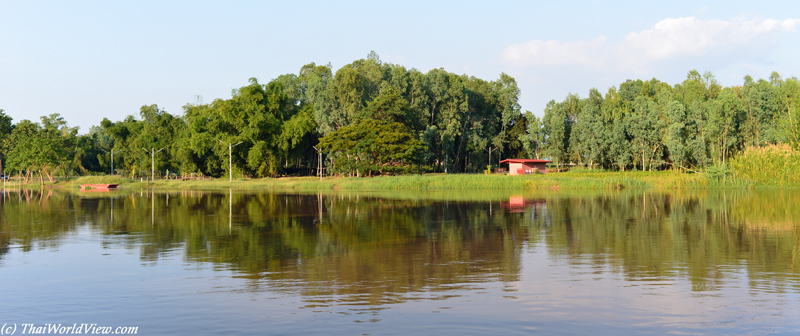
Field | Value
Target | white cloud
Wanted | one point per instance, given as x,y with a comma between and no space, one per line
669,40
538,52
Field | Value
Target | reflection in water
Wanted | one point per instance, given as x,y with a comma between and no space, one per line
358,249
519,203
366,248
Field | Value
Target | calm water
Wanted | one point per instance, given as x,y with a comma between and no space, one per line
231,262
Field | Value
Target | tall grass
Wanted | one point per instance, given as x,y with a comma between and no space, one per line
573,180
774,165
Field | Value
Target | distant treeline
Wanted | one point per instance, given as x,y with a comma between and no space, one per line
372,117
651,125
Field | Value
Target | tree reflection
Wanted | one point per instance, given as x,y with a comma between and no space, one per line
369,249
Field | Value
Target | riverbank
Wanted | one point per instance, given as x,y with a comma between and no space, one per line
575,180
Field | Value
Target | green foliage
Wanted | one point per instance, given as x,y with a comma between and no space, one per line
5,131
718,174
390,105
372,146
5,125
261,117
534,139
644,125
777,165
457,117
649,125
517,135
37,149
557,128
135,139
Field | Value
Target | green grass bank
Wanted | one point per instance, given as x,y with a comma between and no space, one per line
766,167
769,166
574,180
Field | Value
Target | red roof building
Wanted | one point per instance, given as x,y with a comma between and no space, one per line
525,166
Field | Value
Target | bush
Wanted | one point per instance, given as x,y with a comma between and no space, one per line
774,165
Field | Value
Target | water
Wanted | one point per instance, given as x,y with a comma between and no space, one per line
233,262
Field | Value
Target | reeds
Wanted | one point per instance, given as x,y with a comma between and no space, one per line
772,166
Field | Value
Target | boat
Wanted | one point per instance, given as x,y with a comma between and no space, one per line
98,187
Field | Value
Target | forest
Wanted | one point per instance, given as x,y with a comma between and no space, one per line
649,125
371,118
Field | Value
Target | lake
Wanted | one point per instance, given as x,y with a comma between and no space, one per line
399,263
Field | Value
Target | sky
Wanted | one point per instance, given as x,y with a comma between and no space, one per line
89,60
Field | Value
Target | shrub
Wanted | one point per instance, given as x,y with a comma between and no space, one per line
773,165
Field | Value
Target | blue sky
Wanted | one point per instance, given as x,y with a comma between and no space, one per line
92,59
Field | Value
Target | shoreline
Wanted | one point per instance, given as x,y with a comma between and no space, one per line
578,180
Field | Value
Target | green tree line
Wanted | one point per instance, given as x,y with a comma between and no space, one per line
371,117
649,125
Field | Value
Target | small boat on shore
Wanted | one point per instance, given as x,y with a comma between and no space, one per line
98,187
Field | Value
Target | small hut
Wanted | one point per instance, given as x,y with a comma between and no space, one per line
525,166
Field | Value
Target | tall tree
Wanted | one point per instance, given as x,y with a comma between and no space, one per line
724,117
676,134
372,146
534,139
557,126
5,131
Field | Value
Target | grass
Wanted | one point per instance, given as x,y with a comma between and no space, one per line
771,166
779,166
574,180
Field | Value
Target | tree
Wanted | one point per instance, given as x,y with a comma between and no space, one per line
5,131
619,143
299,134
646,129
557,126
57,129
534,138
373,146
723,123
35,149
588,136
676,133
789,118
517,133
391,106
254,115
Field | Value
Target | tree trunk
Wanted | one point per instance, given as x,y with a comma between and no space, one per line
460,142
655,148
724,147
644,167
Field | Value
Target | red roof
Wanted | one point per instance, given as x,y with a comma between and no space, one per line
524,161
